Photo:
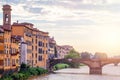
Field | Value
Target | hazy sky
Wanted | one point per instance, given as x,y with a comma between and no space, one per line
88,25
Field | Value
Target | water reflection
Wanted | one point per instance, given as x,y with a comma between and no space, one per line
110,72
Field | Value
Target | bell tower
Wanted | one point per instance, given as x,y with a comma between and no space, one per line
7,16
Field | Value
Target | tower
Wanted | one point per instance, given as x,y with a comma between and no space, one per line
7,16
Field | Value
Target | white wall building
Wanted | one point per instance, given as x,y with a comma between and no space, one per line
63,50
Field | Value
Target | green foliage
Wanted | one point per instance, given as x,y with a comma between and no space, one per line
61,66
72,54
33,71
82,64
7,78
99,55
24,67
85,55
41,71
18,76
74,65
25,72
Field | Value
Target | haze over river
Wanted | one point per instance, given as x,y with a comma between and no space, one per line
110,72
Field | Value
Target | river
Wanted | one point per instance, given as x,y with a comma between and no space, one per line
110,72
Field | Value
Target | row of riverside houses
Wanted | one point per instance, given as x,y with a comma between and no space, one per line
58,51
22,43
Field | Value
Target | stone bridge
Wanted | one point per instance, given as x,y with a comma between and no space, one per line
95,65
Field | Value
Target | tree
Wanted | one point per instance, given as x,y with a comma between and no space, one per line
99,55
55,50
85,55
72,54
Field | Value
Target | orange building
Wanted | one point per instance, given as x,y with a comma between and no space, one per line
37,44
9,55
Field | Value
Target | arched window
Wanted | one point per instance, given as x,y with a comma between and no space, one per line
6,18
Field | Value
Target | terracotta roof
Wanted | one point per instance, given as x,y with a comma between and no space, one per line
25,25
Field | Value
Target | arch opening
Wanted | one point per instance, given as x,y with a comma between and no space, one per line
108,69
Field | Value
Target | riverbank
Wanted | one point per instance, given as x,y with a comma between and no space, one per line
25,73
39,76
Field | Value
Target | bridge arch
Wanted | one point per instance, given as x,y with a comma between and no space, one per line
69,62
95,65
110,61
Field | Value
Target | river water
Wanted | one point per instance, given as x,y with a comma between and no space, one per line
110,72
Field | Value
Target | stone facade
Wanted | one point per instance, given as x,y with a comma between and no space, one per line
63,50
52,48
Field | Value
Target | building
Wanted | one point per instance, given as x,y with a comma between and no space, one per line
63,50
9,45
52,48
35,43
21,43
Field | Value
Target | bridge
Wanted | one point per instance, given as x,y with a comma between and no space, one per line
95,65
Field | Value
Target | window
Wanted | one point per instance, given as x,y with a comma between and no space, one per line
36,36
13,62
32,48
6,18
36,55
36,41
36,61
32,55
32,40
7,51
40,50
8,62
1,62
40,43
40,58
17,61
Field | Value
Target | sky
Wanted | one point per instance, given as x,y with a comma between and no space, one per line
87,25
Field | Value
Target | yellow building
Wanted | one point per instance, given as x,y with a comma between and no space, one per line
7,44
